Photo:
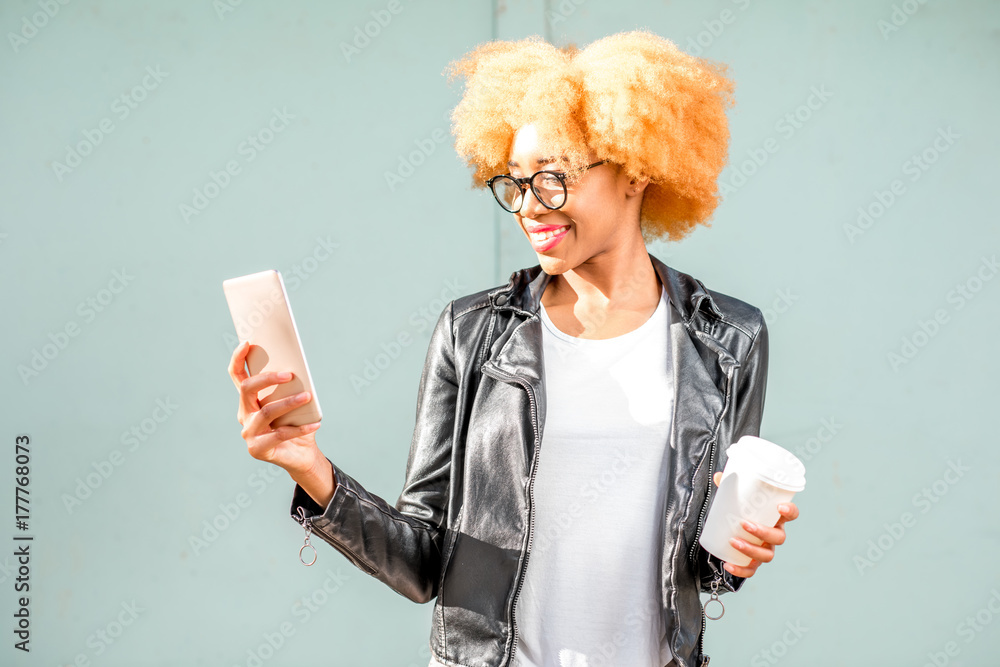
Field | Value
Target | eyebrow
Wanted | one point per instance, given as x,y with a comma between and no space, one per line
538,162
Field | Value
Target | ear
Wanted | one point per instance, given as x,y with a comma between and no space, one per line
637,185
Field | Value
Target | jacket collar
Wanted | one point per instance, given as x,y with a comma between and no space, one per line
698,402
524,291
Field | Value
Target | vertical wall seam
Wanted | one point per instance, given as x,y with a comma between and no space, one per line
494,31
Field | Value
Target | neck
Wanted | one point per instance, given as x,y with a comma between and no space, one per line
621,278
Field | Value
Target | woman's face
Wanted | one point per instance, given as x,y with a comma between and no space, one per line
601,212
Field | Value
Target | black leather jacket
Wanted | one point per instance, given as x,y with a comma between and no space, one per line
461,528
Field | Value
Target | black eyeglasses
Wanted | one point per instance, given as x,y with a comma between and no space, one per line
549,188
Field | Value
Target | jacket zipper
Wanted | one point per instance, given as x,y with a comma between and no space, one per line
310,526
711,467
708,499
500,375
701,516
694,546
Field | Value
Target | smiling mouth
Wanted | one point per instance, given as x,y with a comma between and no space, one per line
542,237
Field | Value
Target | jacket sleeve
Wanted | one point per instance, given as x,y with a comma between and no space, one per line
401,545
748,410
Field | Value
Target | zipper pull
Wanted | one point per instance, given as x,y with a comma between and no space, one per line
714,597
307,544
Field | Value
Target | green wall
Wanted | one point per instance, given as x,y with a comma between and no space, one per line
883,368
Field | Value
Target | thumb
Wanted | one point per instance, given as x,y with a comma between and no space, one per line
716,477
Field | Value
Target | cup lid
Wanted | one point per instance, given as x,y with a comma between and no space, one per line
775,465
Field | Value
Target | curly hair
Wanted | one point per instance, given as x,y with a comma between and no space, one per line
633,98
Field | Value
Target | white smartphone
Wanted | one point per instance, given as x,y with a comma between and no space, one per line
262,315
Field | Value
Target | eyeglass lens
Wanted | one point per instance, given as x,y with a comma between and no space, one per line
547,188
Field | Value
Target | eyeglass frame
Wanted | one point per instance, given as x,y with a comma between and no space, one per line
528,180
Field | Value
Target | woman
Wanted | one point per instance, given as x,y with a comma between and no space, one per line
632,377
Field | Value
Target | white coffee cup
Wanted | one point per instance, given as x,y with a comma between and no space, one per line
759,475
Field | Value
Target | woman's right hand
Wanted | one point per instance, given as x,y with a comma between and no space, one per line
290,447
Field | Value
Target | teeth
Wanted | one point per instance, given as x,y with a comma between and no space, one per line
539,237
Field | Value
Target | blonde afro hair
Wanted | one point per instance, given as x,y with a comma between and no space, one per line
633,98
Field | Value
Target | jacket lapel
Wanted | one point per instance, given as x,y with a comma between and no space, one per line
520,360
698,401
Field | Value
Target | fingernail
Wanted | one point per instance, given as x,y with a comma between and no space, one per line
783,508
284,375
303,396
750,526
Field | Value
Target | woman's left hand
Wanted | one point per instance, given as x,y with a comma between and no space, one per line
772,537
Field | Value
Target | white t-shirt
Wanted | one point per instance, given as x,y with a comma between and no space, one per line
591,589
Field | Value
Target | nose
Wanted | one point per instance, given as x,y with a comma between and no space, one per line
530,206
